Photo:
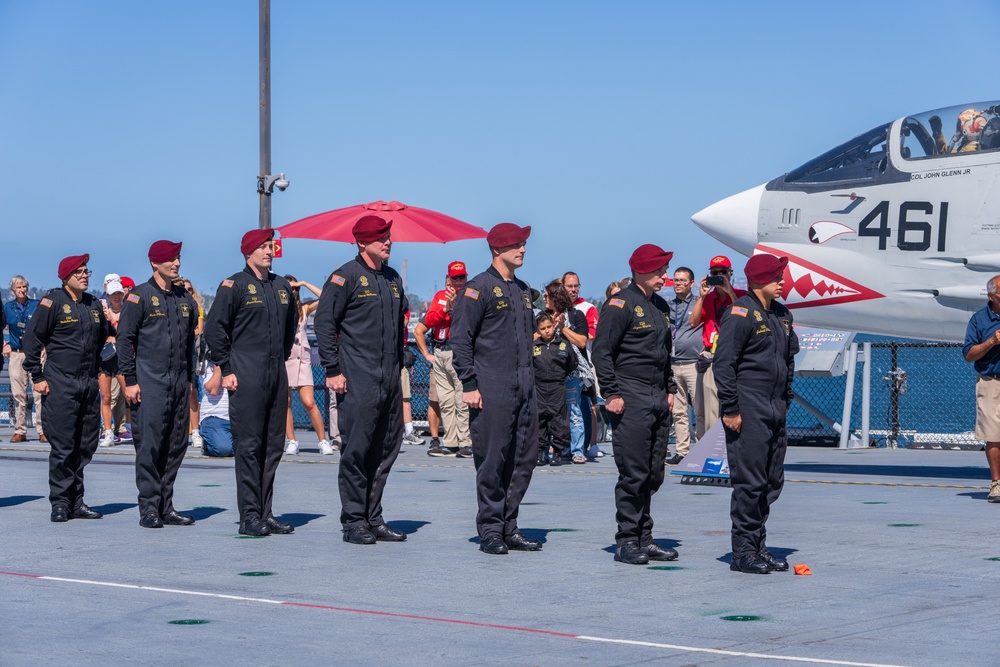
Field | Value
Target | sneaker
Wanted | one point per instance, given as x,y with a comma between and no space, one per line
594,452
435,442
291,446
994,496
464,453
438,450
197,441
335,445
412,439
325,448
126,435
107,439
674,460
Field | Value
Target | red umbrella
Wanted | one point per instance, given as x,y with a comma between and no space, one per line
410,224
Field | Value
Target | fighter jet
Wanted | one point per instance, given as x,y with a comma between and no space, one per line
894,232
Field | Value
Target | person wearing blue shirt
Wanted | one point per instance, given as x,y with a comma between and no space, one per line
982,346
16,313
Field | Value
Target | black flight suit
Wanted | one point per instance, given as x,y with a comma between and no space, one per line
250,330
360,327
72,333
156,351
754,362
553,362
492,335
632,357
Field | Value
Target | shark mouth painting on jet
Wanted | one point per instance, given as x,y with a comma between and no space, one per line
808,285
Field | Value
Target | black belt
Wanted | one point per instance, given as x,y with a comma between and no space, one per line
444,347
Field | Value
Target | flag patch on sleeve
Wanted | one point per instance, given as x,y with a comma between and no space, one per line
134,298
46,302
617,303
471,293
739,311
227,283
337,280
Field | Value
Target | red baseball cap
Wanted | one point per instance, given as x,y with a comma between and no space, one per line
720,260
457,269
128,283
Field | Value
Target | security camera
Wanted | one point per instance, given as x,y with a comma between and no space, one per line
265,184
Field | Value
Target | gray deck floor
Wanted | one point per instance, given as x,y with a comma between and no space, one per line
899,542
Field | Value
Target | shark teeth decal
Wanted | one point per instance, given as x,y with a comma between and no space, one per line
808,285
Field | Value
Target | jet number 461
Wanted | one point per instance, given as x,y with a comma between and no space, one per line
914,235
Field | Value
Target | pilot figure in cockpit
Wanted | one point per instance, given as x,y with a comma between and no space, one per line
968,129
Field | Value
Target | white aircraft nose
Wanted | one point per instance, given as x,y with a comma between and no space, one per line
733,220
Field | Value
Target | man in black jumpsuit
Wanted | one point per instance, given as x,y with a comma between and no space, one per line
70,327
360,328
632,349
250,330
754,362
157,357
492,336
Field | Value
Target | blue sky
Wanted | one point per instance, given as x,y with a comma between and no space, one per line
602,125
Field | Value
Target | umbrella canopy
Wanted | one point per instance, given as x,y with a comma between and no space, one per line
409,224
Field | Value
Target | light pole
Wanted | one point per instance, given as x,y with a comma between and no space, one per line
266,182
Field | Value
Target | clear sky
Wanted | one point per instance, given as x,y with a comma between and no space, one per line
603,125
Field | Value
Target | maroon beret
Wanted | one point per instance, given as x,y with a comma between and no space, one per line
764,268
70,264
254,239
370,228
164,251
507,234
649,258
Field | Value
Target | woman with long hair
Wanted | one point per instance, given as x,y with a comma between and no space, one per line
300,374
194,403
572,324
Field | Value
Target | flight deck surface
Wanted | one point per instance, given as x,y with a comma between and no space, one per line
901,543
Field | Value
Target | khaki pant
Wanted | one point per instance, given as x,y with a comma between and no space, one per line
19,382
686,378
334,426
706,402
454,411
988,408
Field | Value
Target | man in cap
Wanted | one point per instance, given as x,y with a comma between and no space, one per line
17,313
707,312
454,411
360,328
632,357
753,370
156,356
250,331
70,327
982,346
492,339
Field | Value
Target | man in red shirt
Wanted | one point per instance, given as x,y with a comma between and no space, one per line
588,408
708,309
454,412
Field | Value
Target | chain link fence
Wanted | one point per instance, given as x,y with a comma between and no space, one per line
922,395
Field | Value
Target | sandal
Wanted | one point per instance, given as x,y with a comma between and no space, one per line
579,458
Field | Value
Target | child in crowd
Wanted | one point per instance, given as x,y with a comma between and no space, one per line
553,361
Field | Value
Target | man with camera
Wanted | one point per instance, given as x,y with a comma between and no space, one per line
717,293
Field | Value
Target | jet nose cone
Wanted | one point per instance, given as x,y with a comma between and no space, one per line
733,220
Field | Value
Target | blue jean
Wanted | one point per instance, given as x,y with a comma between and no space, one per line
574,388
218,438
586,411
